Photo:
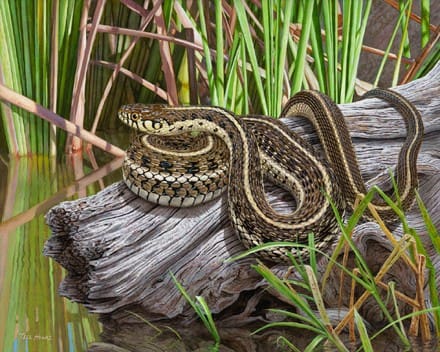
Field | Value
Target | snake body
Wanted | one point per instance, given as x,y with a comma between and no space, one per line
168,171
333,133
258,147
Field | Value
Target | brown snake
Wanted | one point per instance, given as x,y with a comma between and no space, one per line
260,147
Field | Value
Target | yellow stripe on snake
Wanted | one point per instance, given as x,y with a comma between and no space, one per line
171,166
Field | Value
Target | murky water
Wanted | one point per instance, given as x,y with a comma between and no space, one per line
33,317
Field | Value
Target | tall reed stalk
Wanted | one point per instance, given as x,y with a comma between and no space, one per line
32,60
248,56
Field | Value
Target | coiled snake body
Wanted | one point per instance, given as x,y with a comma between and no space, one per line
242,151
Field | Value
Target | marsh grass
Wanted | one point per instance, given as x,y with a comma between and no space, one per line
159,329
36,58
82,60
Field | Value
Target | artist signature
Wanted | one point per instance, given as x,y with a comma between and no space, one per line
27,336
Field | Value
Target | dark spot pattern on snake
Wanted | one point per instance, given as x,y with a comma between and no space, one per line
145,160
164,164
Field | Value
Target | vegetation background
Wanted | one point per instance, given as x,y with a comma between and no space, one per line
83,59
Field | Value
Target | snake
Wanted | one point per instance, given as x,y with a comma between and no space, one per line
328,121
244,151
169,171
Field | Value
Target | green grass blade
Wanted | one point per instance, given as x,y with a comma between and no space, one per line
430,227
312,257
318,51
281,54
220,76
285,342
207,55
432,59
405,37
288,324
361,19
363,334
330,14
390,43
252,54
313,345
403,45
302,46
392,293
267,11
231,76
292,315
202,310
425,15
435,240
243,57
346,45
209,321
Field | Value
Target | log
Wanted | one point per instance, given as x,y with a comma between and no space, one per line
119,250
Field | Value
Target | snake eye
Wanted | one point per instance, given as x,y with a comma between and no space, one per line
135,116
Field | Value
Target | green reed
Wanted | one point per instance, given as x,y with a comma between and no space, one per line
247,56
36,59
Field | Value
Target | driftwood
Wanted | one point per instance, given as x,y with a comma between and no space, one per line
119,250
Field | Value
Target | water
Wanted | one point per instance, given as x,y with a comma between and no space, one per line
33,317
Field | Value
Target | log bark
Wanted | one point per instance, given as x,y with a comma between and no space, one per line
119,250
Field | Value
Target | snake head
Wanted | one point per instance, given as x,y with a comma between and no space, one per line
144,118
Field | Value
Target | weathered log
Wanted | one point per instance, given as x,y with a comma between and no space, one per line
119,250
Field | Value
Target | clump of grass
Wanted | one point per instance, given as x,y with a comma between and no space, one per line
158,331
363,277
202,309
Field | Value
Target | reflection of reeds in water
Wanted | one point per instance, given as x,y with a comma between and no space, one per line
33,314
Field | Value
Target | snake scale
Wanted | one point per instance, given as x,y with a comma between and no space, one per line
189,154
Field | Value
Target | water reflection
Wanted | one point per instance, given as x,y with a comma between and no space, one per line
33,317
143,336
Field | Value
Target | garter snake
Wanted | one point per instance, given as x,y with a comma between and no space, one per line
260,147
333,133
